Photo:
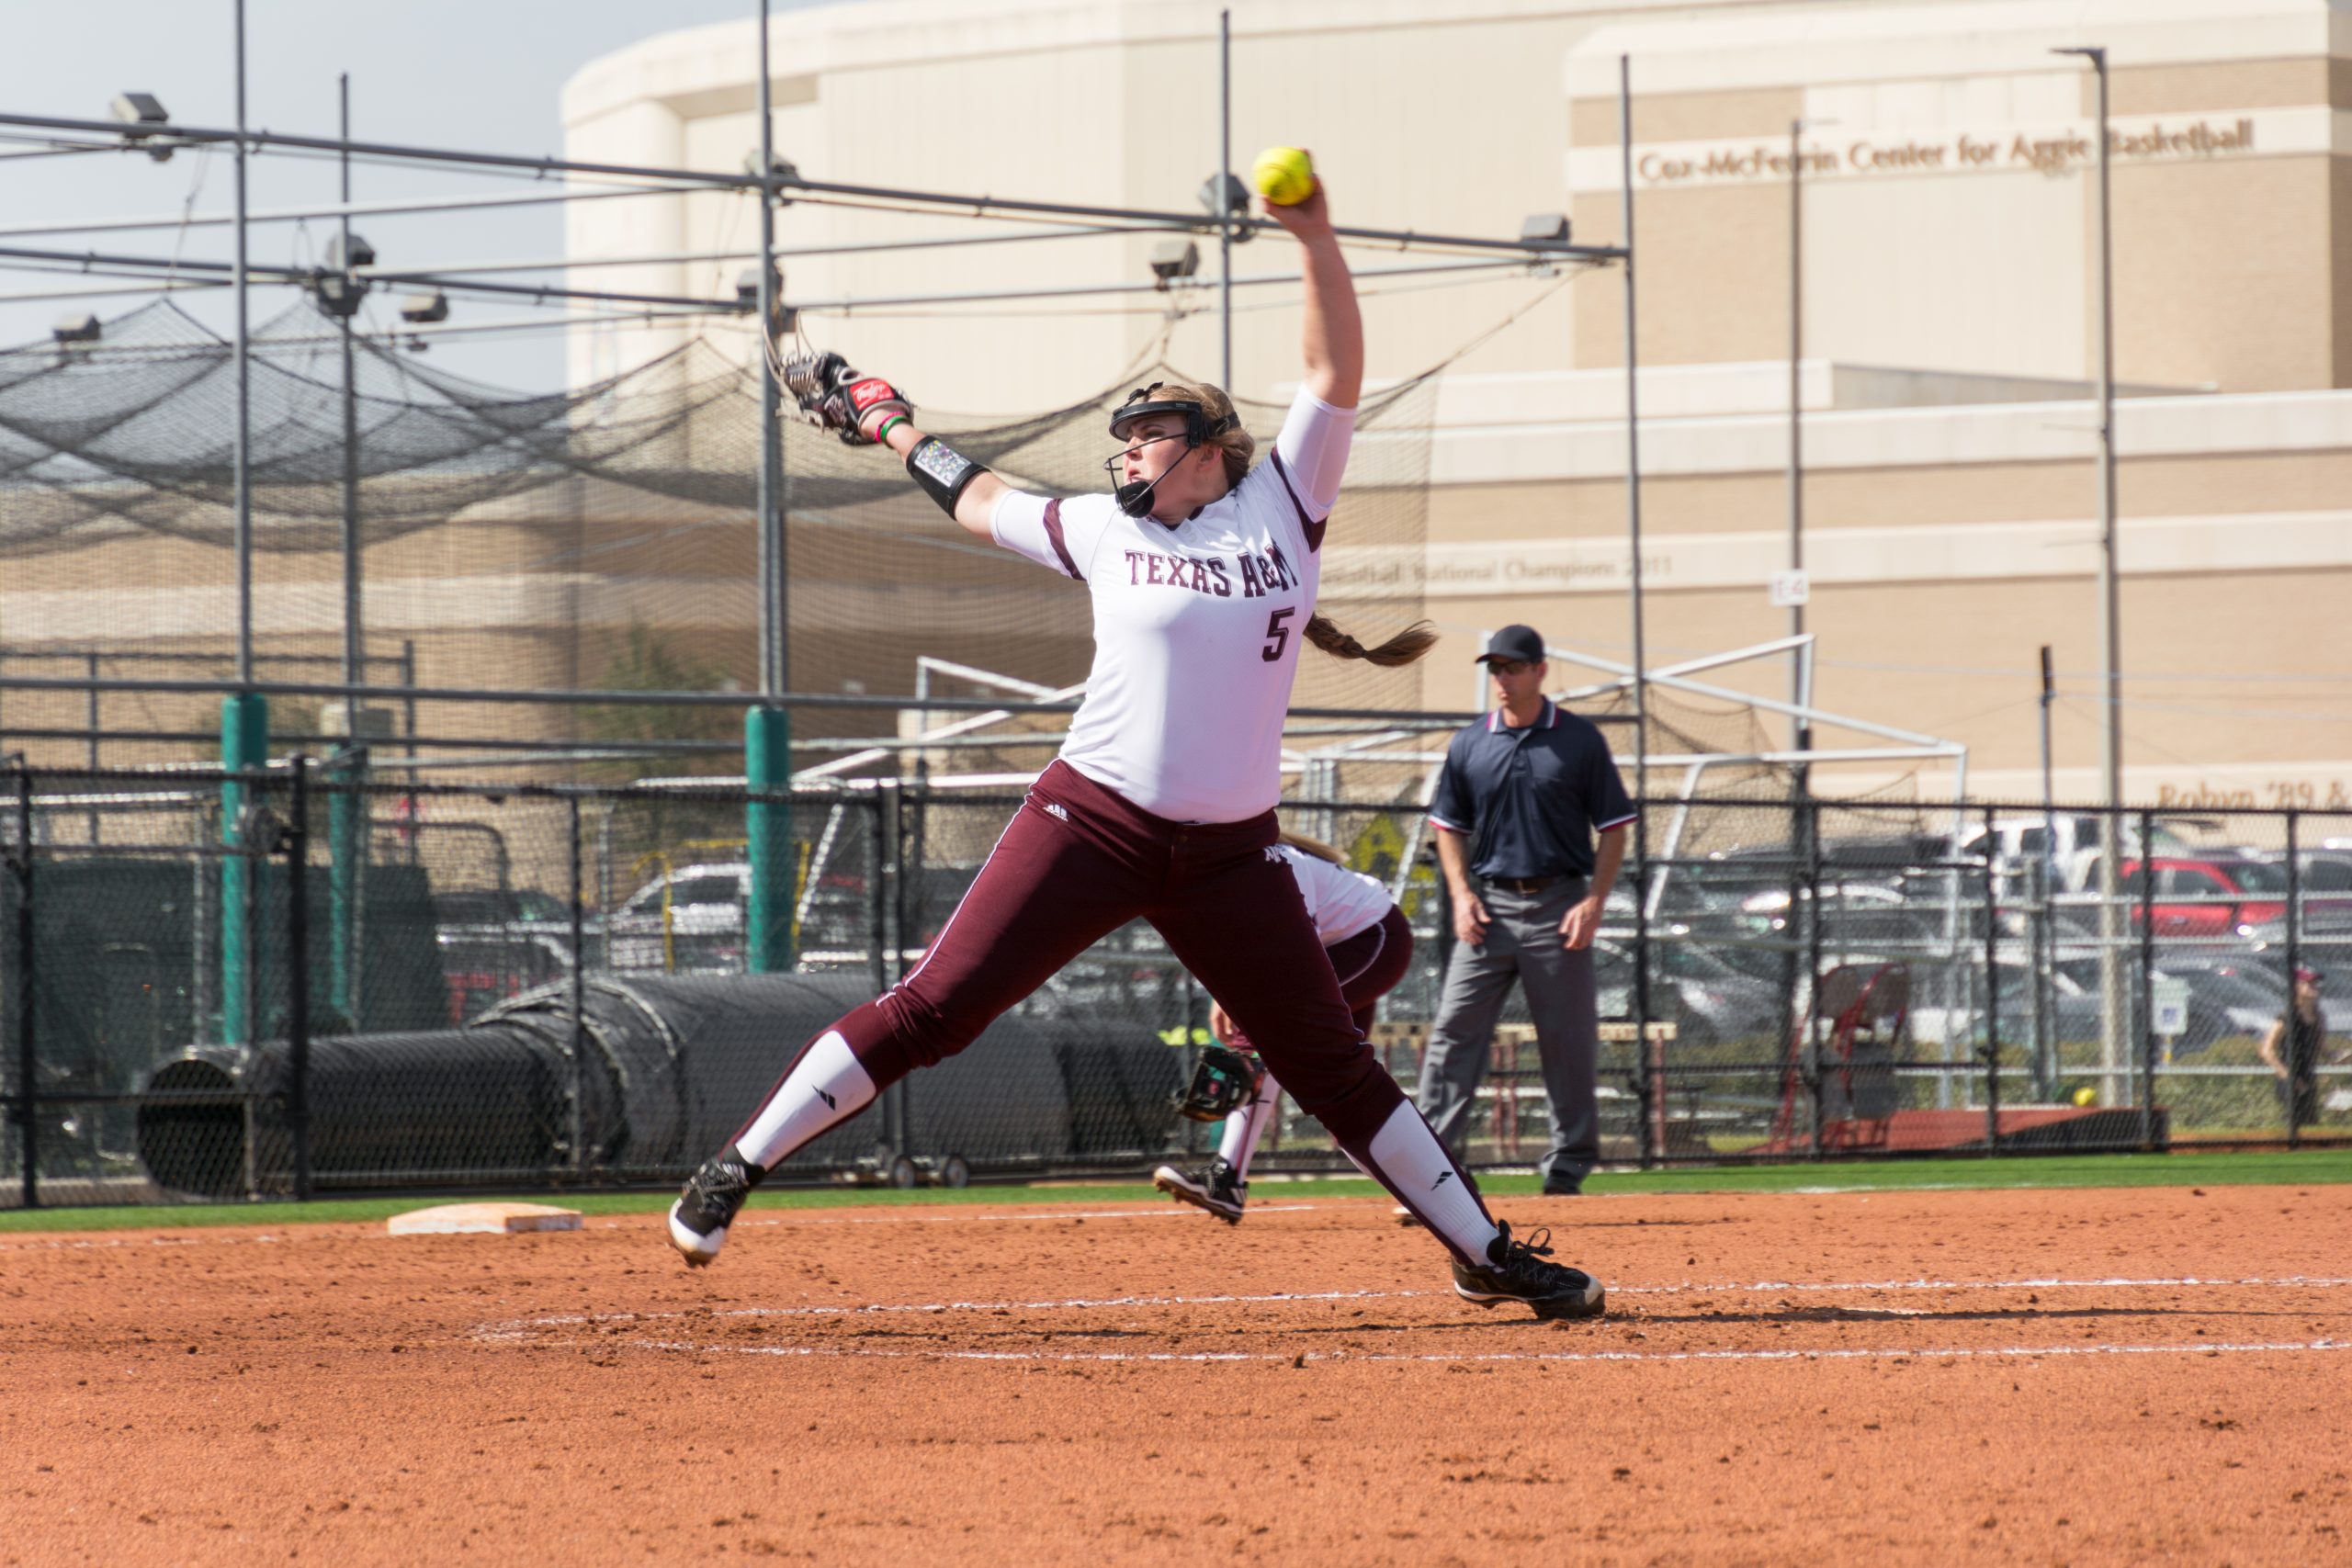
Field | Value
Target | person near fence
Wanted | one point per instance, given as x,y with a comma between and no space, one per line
2295,1047
1201,573
1520,799
1369,944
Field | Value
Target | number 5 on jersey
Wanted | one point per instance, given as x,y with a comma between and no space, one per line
1277,633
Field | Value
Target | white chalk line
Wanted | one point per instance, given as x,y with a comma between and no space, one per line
2006,1352
637,1221
521,1327
91,1243
1168,1211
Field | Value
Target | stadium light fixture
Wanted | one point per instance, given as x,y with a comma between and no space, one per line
80,326
361,253
424,308
1539,229
334,285
1173,259
784,171
1237,207
144,114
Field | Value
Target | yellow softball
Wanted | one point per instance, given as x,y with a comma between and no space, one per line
1284,176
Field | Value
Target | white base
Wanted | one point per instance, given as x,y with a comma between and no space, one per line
483,1219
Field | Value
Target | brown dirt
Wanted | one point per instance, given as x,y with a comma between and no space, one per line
1972,1377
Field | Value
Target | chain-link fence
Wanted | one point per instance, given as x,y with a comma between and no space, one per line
561,985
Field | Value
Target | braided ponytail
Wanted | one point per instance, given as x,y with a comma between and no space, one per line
1403,649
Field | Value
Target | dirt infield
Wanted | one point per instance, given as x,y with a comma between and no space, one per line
1977,1377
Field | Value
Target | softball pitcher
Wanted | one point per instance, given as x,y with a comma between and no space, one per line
1201,570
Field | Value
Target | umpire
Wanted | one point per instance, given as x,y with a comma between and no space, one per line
1522,797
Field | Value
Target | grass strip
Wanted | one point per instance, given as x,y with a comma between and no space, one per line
2201,1168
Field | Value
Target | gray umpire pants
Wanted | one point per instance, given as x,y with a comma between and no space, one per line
1523,943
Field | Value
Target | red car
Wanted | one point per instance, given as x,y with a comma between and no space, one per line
2207,897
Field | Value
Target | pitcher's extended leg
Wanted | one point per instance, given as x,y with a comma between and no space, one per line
1046,892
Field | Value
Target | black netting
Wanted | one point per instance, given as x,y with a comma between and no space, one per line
599,539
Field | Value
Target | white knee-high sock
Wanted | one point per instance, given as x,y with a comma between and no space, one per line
1406,1157
827,1086
1239,1144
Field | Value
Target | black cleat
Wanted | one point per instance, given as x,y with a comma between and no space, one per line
1517,1271
1213,1187
698,1220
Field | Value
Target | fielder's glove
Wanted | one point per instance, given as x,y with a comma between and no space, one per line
854,407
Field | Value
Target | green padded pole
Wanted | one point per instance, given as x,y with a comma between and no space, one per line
767,764
348,851
244,744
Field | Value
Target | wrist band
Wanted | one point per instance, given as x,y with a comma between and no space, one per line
883,435
944,474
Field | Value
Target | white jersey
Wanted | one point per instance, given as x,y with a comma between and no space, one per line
1197,628
1341,902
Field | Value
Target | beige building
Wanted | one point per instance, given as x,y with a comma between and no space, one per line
1950,287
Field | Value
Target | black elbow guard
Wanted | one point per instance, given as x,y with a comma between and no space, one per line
944,474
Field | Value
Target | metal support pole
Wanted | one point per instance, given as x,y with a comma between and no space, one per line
894,1101
1651,1086
774,660
2146,979
767,729
28,1103
1632,437
91,709
408,720
1992,991
1800,731
2294,962
297,973
2045,1056
579,1004
347,807
1812,811
2112,1031
354,673
878,899
241,463
1225,215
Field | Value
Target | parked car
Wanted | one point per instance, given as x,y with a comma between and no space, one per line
2218,896
691,919
1693,988
2221,1003
477,907
2325,872
2019,840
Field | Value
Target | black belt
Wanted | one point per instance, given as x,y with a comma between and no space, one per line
1521,884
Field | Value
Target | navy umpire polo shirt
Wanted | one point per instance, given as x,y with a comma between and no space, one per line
1532,798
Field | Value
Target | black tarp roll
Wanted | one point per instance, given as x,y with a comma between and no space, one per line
671,1067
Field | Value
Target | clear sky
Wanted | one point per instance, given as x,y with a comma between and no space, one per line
481,74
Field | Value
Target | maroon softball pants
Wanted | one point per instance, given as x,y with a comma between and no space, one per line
1078,861
1367,965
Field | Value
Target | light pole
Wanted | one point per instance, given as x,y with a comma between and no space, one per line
767,728
2110,621
1800,728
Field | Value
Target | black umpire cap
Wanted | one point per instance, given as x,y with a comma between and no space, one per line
1524,643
